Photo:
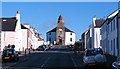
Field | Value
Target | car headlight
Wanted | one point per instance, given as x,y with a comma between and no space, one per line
89,60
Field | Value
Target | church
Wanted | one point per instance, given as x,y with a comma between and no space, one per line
61,35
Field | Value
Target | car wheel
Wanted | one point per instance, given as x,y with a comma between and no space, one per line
86,67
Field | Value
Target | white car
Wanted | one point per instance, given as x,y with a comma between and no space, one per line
94,57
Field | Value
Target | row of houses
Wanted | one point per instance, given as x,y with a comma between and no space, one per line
104,33
23,36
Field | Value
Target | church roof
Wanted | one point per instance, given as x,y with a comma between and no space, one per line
54,30
8,24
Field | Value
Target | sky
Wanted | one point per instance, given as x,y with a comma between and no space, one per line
44,15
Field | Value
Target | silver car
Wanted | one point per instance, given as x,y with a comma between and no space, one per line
94,57
116,64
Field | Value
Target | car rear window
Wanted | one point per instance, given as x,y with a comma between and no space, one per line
93,52
8,51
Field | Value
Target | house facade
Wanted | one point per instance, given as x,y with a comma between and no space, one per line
89,37
26,37
34,38
11,32
96,32
61,35
110,34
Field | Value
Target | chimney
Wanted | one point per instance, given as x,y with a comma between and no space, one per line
18,16
94,19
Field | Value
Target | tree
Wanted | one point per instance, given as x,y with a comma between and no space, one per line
79,44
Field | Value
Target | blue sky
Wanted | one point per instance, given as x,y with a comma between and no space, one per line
44,15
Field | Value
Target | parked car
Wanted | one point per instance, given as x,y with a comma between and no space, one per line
46,47
43,48
94,57
116,64
40,48
10,54
71,47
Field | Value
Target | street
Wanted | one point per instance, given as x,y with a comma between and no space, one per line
56,58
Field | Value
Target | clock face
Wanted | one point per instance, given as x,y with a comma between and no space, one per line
60,31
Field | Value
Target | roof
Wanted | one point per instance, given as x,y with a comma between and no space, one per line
8,24
99,22
110,18
54,30
67,30
23,27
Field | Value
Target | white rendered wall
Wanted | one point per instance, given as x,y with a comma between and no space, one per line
97,37
68,36
24,38
7,38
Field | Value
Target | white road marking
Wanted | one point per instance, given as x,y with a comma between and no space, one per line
45,62
73,62
9,65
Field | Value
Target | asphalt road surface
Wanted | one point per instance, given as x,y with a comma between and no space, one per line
58,57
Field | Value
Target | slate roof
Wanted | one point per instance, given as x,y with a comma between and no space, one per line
23,27
99,22
54,30
8,24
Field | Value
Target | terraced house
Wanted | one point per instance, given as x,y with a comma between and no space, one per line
110,32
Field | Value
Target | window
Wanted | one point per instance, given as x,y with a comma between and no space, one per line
111,45
114,46
108,28
114,24
50,39
111,26
70,33
100,42
60,32
71,39
50,33
108,46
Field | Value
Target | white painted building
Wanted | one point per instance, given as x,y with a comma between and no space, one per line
60,34
96,35
111,34
26,37
35,38
11,32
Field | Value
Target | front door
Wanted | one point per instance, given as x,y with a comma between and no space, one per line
60,41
